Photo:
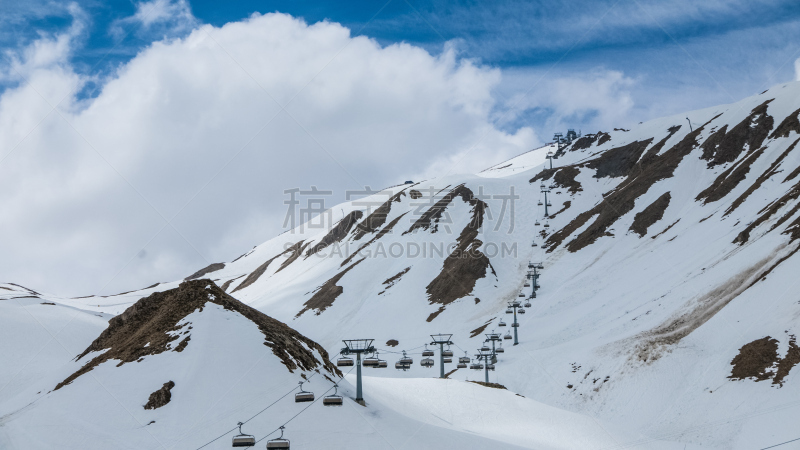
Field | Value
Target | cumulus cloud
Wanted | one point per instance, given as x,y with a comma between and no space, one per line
797,69
183,156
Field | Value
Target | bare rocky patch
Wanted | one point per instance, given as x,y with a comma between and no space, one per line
256,274
788,124
151,327
429,220
160,397
375,221
391,281
294,252
466,264
770,210
618,161
650,215
725,146
337,233
326,294
384,231
771,171
205,270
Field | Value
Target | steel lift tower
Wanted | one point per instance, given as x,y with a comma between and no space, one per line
358,346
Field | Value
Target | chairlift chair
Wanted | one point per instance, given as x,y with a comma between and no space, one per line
382,364
476,366
427,352
501,324
522,295
402,366
521,310
333,400
279,443
345,362
549,204
526,285
515,325
406,359
537,223
490,366
527,304
448,360
463,359
461,366
534,244
540,203
547,225
508,311
507,336
447,353
370,361
303,396
500,350
426,362
243,440
485,348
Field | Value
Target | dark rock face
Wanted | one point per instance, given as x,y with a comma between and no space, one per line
205,270
160,397
151,326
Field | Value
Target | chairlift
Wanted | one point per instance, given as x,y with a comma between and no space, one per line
485,348
406,359
402,366
279,443
537,223
500,350
507,336
461,366
476,366
463,359
426,362
515,325
540,203
501,324
515,304
521,310
345,362
549,204
526,285
527,304
303,396
370,361
490,366
427,352
508,311
534,244
333,400
447,353
448,360
552,186
522,295
243,440
547,225
382,364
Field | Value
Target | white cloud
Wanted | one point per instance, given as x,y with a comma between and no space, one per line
193,130
797,69
164,17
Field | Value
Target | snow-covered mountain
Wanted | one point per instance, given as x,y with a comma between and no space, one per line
666,317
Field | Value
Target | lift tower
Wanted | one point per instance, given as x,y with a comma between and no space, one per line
545,190
441,340
533,275
494,337
514,305
358,346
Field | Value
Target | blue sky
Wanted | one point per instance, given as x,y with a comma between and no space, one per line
731,48
122,121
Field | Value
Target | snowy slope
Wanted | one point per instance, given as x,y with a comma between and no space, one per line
670,253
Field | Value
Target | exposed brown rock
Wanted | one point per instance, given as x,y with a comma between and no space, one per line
227,284
618,161
566,206
773,169
666,229
391,281
621,200
725,146
602,138
466,264
565,177
650,215
584,142
256,274
208,269
755,359
336,233
769,211
374,221
791,359
489,385
415,194
387,229
480,329
150,327
160,397
789,123
429,220
325,295
295,251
